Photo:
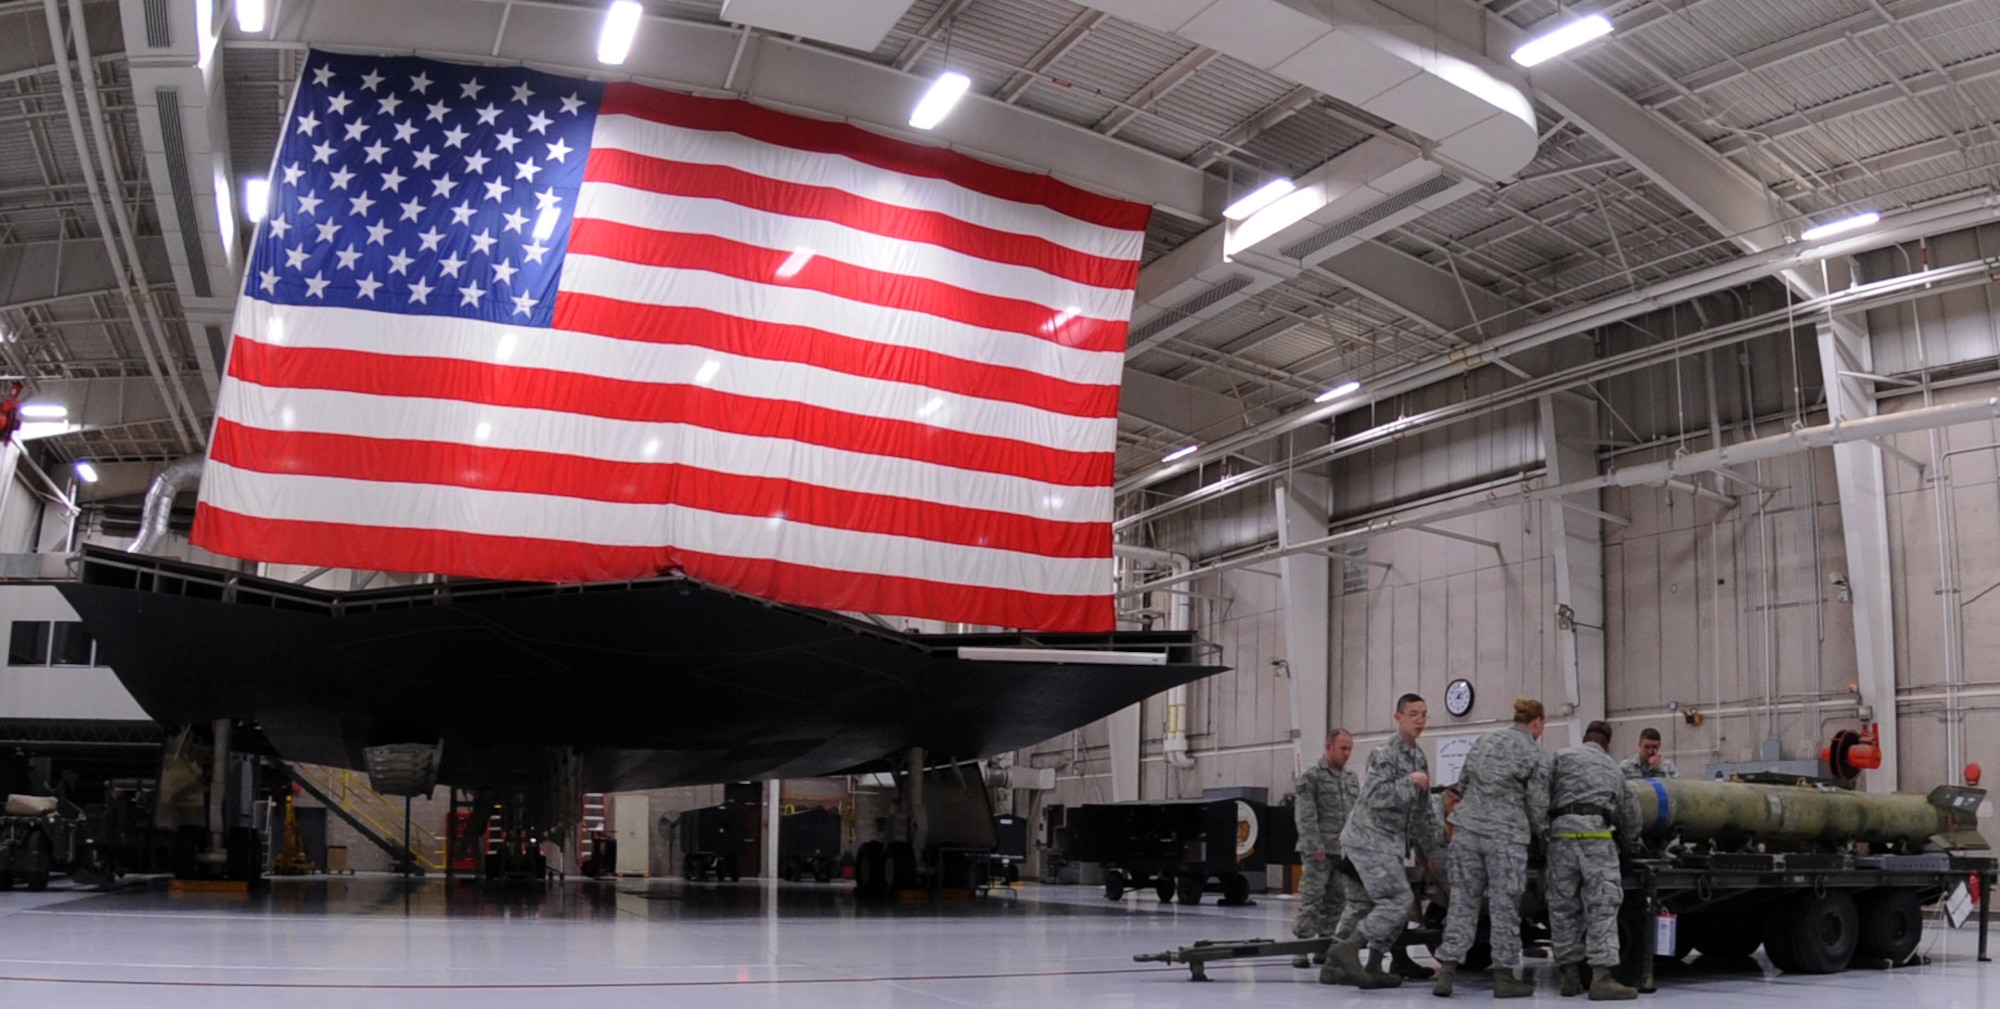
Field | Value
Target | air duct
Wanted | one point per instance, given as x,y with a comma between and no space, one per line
159,509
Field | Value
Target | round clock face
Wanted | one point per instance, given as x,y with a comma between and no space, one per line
1458,698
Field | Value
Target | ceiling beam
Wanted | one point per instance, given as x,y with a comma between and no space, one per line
1869,100
1169,79
1069,38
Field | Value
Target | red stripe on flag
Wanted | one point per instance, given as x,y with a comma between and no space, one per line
659,403
746,189
287,541
451,464
728,115
742,261
730,334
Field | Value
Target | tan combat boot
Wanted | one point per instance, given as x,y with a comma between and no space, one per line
1507,985
1379,978
1572,980
1447,971
1607,989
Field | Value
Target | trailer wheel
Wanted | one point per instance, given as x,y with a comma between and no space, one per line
1777,930
1189,889
1632,917
1164,889
1114,884
1892,922
869,864
1820,933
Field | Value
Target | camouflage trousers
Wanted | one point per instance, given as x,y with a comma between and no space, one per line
1485,868
1584,892
1378,901
1322,897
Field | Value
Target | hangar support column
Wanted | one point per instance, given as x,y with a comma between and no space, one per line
1844,356
1576,542
1302,503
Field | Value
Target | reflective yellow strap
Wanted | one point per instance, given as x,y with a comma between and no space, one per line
1595,835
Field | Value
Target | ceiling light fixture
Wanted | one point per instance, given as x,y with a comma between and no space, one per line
938,101
85,471
795,262
1548,46
256,199
1343,389
1841,227
1181,453
45,411
621,23
250,16
1264,195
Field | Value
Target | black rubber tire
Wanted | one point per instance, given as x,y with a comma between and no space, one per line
1164,888
1188,887
901,867
822,872
1892,923
6,879
1235,889
870,865
1777,929
1631,918
1825,929
689,869
1719,938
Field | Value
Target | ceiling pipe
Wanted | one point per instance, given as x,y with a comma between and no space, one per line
1659,473
131,298
1950,216
184,419
1881,293
1174,744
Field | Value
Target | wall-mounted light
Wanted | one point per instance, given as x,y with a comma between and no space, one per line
621,24
250,16
256,199
1263,196
1841,227
1550,45
85,471
937,102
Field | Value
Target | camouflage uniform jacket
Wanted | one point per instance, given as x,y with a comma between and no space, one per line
1506,787
1324,798
1635,766
1586,776
1390,803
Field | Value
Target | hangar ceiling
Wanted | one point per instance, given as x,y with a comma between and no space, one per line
1698,135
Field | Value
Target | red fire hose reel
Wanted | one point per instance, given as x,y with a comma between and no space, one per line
1852,752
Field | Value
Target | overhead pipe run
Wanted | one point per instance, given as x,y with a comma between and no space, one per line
1649,474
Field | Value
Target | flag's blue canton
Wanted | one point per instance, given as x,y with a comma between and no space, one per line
408,185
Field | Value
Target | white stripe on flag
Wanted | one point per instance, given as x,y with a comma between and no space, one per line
318,411
535,516
527,347
835,171
780,232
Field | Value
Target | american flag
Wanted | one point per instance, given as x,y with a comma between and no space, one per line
505,324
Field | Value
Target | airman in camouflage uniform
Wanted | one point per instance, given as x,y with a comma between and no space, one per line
1589,802
1648,763
1506,806
1395,792
1325,793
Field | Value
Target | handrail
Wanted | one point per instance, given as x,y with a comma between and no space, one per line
354,795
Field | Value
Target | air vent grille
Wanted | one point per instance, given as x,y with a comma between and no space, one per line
159,23
1193,306
1374,215
183,190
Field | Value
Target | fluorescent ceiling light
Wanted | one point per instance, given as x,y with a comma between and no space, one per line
795,262
1842,226
1265,195
45,411
621,22
1562,40
250,16
1181,453
256,198
938,101
1343,389
86,472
